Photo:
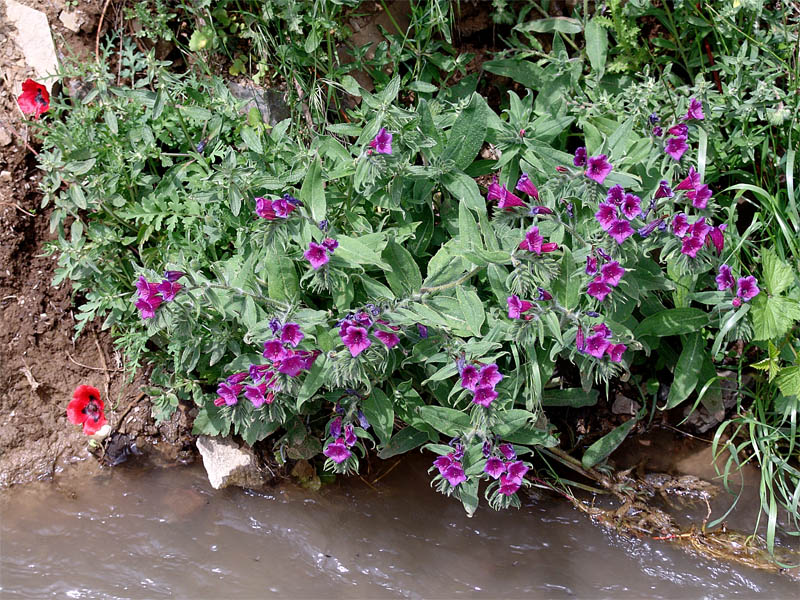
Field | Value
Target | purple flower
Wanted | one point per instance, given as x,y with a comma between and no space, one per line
602,329
454,474
469,377
169,290
580,339
349,435
173,276
543,294
664,191
579,160
335,427
615,352
362,318
691,245
631,206
524,184
506,199
699,196
654,118
540,210
606,215
259,372
596,345
680,224
422,330
283,207
603,254
237,377
717,237
337,451
508,451
691,181
382,143
517,471
620,230
489,375
274,350
229,392
508,486
356,340
676,147
330,244
484,395
264,209
598,288
598,168
316,254
148,306
533,241
323,225
591,265
494,467
616,194
292,364
650,227
695,110
725,279
657,131
516,306
291,334
612,273
699,229
389,339
680,130
443,462
255,393
747,288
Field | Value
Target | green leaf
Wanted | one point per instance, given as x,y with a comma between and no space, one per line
404,278
379,411
511,420
687,370
258,429
551,24
468,233
673,321
471,308
357,252
465,190
777,274
313,381
525,72
403,441
252,139
282,281
313,191
788,381
606,444
468,494
573,397
773,316
596,44
446,420
468,133
730,321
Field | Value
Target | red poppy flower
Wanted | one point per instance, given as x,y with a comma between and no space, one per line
34,99
86,408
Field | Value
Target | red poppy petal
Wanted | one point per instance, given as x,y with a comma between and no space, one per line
90,426
74,411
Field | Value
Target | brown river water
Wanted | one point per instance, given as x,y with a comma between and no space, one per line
137,533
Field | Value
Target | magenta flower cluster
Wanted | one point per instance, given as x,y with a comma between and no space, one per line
481,382
517,308
609,276
508,200
534,242
318,254
354,332
450,467
280,208
382,143
338,450
150,295
597,167
676,145
509,471
598,344
618,204
746,287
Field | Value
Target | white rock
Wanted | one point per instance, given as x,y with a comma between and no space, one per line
72,20
34,40
227,464
5,137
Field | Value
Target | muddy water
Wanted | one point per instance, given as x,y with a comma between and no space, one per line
167,533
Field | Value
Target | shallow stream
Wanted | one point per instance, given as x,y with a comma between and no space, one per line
131,533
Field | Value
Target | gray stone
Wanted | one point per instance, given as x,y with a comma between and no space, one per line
625,406
73,20
5,137
270,103
229,465
34,40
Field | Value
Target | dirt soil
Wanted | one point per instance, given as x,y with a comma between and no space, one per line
40,363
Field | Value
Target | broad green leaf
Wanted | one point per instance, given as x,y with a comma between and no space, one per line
379,411
598,451
252,139
574,397
673,321
511,420
522,71
446,420
687,370
313,381
404,440
468,233
773,316
313,191
282,281
404,278
357,252
468,494
709,389
471,308
788,381
257,429
730,321
468,133
778,275
465,190
551,24
596,44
